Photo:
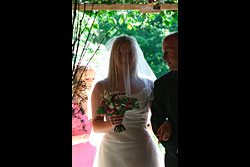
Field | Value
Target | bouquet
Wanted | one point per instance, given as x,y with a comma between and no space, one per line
116,103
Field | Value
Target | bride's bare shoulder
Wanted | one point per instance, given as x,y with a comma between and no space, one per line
99,87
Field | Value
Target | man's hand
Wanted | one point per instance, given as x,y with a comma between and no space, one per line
164,132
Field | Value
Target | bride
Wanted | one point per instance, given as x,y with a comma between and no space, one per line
129,73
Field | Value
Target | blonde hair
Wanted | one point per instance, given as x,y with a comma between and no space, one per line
112,78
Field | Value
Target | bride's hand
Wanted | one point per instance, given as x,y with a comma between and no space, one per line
116,120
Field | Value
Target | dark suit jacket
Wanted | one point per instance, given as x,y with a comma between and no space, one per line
165,104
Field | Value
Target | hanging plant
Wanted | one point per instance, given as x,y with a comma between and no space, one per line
82,23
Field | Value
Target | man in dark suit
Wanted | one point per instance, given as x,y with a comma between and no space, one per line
164,107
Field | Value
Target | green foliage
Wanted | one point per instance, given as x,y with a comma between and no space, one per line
148,29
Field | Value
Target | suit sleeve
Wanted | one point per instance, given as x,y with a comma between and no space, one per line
157,108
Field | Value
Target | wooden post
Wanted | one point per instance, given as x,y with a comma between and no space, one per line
141,7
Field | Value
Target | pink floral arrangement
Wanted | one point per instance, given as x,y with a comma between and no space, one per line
116,103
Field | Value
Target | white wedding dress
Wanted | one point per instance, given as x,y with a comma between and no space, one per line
133,147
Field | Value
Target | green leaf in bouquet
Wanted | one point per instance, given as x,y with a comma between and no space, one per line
137,106
123,100
119,128
134,100
122,110
100,110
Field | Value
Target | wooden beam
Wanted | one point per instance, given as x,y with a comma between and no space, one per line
141,7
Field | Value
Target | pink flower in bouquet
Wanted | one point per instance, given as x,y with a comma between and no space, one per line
110,111
129,105
118,107
102,103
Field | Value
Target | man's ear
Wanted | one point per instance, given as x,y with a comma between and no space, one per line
164,57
